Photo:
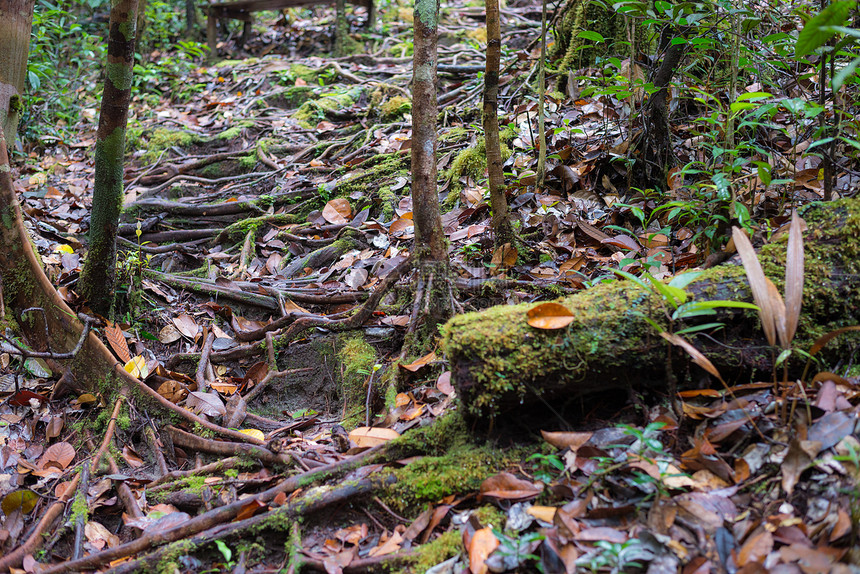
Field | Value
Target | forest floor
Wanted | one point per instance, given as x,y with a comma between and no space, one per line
271,186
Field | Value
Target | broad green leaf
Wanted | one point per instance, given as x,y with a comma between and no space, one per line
814,35
843,74
671,294
764,172
738,106
698,328
747,96
633,278
785,354
589,35
698,308
681,281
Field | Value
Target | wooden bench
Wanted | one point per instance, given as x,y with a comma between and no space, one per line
243,10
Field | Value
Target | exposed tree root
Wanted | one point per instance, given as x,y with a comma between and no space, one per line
26,285
211,518
300,507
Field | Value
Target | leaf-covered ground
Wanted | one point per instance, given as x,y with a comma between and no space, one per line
268,198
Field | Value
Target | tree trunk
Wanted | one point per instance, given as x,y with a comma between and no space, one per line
429,237
433,294
656,153
16,19
502,230
98,277
341,29
190,18
499,362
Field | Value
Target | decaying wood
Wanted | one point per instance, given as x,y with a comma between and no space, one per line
498,361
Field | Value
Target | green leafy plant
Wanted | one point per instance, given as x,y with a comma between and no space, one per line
616,557
515,552
547,466
676,304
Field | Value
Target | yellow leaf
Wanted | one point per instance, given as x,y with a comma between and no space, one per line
257,434
137,367
545,513
63,248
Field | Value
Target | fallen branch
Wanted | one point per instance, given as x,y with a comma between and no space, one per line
200,444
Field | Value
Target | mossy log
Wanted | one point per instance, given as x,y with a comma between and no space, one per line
498,361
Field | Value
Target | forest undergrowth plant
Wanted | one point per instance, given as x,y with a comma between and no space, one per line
779,318
615,557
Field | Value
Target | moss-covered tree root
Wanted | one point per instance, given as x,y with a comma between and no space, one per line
498,360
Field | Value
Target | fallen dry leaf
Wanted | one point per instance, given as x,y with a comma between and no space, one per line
186,325
59,455
337,211
481,546
417,364
117,342
549,316
367,437
571,440
506,486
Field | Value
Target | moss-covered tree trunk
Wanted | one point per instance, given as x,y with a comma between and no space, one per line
98,277
16,19
499,362
340,28
502,230
430,244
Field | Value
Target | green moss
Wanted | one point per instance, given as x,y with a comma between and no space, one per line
160,139
304,72
169,562
119,74
79,510
295,96
447,432
432,478
395,108
472,161
248,162
203,432
454,135
231,63
376,173
357,358
293,548
388,199
448,545
312,112
16,105
231,473
233,131
390,396
489,515
495,353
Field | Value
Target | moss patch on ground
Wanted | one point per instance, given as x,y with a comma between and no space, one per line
375,177
446,546
357,358
314,111
432,478
395,108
